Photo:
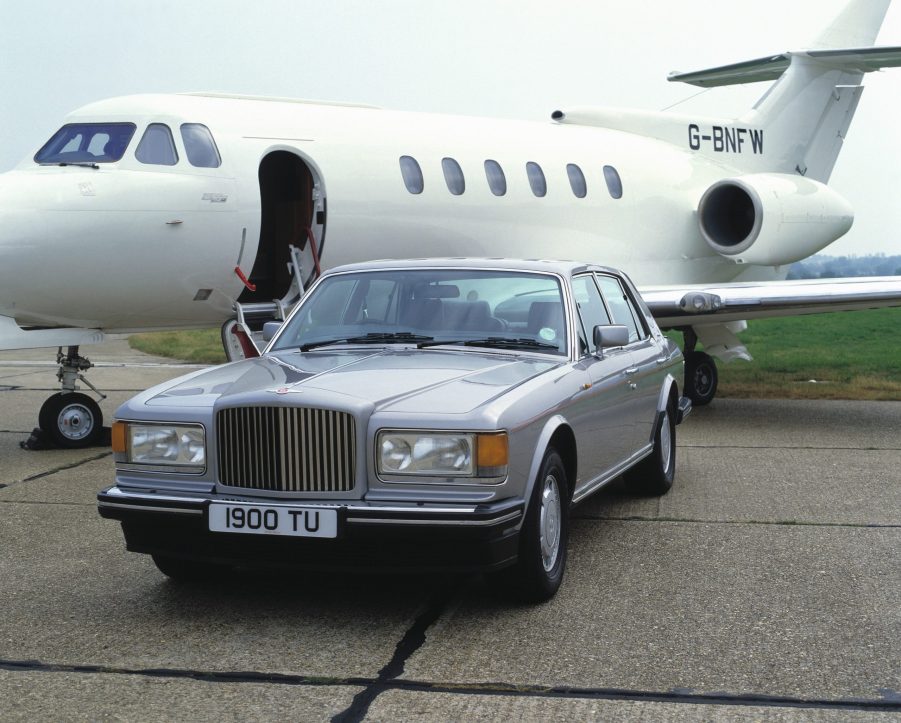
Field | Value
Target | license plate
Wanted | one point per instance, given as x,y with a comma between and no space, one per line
275,520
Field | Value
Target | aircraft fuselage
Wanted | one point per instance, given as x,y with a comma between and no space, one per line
131,245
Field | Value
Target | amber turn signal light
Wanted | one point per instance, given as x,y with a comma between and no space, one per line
118,436
493,450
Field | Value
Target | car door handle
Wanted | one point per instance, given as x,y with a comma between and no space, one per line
662,360
632,370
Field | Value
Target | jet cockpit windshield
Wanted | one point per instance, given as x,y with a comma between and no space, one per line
86,143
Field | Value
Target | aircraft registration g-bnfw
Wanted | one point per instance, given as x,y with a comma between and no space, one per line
178,211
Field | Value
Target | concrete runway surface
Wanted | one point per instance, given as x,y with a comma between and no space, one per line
765,586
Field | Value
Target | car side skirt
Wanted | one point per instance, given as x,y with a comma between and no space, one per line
612,474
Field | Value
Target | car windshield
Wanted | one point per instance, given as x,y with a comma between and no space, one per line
472,308
87,143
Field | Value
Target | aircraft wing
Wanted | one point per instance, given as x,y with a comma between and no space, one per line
675,306
12,336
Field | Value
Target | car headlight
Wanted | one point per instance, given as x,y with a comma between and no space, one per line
442,454
182,445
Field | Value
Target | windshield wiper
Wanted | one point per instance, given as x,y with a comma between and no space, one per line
499,342
82,164
372,338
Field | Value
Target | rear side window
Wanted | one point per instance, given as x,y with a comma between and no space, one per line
200,146
412,173
621,308
592,311
157,147
453,175
497,181
87,143
536,179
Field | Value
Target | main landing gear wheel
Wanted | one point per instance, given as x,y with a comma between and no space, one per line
71,420
701,378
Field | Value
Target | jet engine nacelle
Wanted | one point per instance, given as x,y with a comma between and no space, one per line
771,219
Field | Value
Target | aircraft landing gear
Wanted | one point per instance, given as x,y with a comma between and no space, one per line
68,418
701,375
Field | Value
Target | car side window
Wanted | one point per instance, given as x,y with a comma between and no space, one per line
621,307
592,311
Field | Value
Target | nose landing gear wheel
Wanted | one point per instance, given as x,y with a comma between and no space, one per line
71,420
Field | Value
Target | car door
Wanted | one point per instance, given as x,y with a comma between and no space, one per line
602,417
645,372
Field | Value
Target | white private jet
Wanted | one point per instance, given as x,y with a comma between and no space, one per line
176,211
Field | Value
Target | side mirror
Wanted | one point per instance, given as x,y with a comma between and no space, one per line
606,336
270,329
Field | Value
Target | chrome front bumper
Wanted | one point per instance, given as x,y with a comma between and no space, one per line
397,536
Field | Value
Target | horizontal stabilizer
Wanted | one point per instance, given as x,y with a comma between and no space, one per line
863,60
675,306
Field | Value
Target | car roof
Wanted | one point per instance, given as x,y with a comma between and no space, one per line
564,268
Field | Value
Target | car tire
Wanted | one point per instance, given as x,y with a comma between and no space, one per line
701,378
182,570
654,475
71,420
539,569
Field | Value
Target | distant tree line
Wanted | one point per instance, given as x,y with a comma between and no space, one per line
834,267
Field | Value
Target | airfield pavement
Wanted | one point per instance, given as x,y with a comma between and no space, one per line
766,586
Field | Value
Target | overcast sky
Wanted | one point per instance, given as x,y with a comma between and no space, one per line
505,58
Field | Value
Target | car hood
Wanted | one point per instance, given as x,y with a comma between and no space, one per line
402,380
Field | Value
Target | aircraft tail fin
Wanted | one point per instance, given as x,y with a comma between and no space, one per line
857,25
806,113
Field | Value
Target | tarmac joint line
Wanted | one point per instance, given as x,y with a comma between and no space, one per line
791,447
774,523
890,699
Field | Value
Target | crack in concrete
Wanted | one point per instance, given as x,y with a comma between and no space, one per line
412,641
62,468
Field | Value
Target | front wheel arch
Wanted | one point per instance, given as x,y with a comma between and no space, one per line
564,441
556,433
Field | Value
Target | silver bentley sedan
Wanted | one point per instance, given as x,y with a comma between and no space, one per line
408,415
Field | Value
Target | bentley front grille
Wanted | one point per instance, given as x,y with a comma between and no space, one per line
286,449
